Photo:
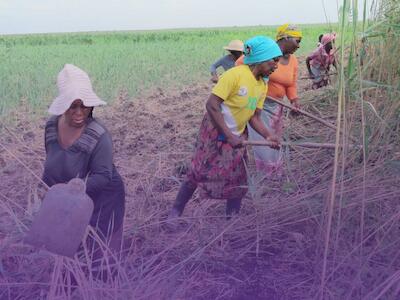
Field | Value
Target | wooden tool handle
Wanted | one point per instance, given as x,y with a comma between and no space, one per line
330,125
294,144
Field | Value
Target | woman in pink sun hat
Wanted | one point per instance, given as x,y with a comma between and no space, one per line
77,145
319,61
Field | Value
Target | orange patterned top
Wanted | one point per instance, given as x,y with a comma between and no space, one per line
283,81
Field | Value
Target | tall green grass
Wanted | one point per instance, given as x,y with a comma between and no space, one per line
368,93
131,61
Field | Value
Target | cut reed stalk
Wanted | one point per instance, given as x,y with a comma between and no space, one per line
299,144
303,112
331,198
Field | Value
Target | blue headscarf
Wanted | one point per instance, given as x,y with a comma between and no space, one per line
259,49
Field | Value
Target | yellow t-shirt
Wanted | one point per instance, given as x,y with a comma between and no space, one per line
242,94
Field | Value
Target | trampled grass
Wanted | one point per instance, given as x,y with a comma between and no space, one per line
131,61
327,230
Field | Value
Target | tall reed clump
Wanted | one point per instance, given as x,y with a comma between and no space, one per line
364,242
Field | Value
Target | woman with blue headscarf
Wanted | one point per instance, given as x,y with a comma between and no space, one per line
217,166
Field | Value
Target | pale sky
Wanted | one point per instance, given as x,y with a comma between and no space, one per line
38,16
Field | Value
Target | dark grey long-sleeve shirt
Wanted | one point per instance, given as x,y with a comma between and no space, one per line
90,156
225,62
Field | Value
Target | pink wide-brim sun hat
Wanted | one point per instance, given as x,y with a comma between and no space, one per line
328,37
73,83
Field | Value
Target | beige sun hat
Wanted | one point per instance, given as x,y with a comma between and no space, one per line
73,83
234,45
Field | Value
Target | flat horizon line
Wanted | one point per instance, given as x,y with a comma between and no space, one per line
159,29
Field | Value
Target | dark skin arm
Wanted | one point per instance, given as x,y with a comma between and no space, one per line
214,77
213,107
259,126
328,48
308,67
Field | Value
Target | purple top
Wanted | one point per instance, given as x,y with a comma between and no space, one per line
89,157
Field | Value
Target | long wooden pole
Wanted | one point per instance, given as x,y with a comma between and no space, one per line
308,77
326,123
294,144
322,121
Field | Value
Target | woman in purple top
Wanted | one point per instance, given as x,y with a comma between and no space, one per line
78,146
235,48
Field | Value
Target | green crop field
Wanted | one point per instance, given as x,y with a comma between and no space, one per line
133,61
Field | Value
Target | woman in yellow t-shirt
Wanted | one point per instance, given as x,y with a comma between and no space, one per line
217,166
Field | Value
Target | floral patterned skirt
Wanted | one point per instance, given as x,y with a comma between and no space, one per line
217,168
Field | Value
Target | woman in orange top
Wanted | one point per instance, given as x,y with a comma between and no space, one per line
281,83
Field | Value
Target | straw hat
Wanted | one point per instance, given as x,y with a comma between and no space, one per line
73,83
235,45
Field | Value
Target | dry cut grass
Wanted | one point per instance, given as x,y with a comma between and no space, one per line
273,250
302,235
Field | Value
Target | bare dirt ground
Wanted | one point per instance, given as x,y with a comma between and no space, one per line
273,250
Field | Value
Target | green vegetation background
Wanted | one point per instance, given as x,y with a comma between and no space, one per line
133,61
